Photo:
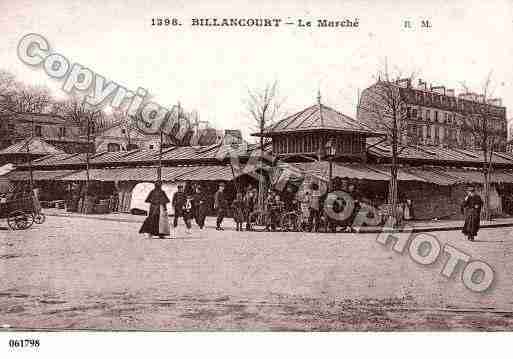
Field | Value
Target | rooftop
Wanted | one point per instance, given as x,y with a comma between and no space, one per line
43,118
318,117
33,145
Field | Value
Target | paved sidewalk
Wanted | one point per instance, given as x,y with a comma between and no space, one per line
414,226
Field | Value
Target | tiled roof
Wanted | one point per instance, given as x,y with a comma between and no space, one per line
33,145
438,175
438,154
319,117
169,173
38,175
198,154
355,171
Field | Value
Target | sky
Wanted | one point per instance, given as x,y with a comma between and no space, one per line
211,69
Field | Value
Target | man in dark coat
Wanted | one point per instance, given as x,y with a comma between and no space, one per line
238,210
199,207
289,199
220,206
179,201
471,208
250,200
356,197
315,208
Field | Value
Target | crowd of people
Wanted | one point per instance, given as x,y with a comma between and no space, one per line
194,206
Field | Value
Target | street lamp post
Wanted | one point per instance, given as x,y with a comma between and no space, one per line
330,150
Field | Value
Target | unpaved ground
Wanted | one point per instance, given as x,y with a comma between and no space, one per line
92,274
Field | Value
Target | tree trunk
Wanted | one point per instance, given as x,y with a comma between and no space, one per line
260,176
487,174
393,190
486,194
86,192
392,194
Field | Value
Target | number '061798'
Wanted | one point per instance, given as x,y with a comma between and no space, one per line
24,343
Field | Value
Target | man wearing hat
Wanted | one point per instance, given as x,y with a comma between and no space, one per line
471,208
220,206
199,207
179,202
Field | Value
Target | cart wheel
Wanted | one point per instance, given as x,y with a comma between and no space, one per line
39,218
18,220
289,222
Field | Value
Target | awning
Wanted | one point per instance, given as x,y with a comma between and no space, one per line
208,173
355,171
402,175
144,174
438,177
503,176
447,177
38,175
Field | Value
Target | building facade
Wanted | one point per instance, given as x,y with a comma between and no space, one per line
436,116
53,129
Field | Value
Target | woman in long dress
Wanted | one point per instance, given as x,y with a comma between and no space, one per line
157,223
471,208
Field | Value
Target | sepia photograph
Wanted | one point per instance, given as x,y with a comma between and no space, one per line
194,166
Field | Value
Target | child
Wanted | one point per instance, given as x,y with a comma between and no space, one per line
238,211
187,213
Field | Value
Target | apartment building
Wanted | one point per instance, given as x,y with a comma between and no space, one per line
437,116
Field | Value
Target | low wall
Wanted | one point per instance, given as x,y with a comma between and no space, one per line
443,202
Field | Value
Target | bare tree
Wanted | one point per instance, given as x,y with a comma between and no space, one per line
128,124
483,123
384,107
26,99
90,119
264,108
7,85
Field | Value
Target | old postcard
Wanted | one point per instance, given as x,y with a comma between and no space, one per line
293,166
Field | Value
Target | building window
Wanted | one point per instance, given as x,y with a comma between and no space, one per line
113,147
123,131
436,116
62,131
38,131
414,113
428,134
151,147
428,115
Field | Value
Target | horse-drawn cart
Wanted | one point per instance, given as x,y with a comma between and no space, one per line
22,212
